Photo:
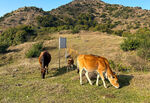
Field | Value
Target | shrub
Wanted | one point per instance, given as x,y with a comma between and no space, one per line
48,29
143,34
118,32
112,64
81,27
118,66
35,50
75,30
63,27
130,44
3,47
144,53
103,28
48,21
17,35
139,41
126,34
122,68
144,50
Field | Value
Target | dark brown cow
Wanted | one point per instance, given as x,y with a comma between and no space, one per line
44,60
70,63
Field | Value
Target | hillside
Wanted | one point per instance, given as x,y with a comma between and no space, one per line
21,16
20,79
118,16
127,18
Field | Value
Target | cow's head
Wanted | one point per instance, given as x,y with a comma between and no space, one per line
113,80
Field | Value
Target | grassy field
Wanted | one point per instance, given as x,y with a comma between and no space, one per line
20,80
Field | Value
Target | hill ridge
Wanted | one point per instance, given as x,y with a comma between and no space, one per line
125,17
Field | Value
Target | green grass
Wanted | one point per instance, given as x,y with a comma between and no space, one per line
63,87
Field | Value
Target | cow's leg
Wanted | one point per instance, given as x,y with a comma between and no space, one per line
47,69
68,67
73,66
43,73
80,72
102,77
97,79
87,76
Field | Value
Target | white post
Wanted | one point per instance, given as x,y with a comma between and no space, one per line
59,58
62,44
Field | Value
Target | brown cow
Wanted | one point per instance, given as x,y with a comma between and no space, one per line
44,60
70,63
91,63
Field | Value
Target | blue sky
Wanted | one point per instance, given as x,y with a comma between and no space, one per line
7,6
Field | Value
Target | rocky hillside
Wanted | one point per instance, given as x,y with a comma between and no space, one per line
25,15
124,18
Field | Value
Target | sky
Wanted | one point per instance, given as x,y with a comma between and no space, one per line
7,6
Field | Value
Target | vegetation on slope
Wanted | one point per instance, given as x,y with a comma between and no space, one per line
138,41
17,35
35,50
24,15
125,18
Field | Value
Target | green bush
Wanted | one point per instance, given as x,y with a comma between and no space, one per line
122,68
130,44
17,35
118,66
35,50
103,28
20,37
118,32
144,50
3,47
140,41
48,21
75,30
143,34
63,27
144,53
48,29
112,64
52,23
126,34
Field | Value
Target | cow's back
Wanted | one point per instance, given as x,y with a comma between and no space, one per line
89,62
44,56
47,57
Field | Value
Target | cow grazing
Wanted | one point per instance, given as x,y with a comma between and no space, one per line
91,63
70,63
44,60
